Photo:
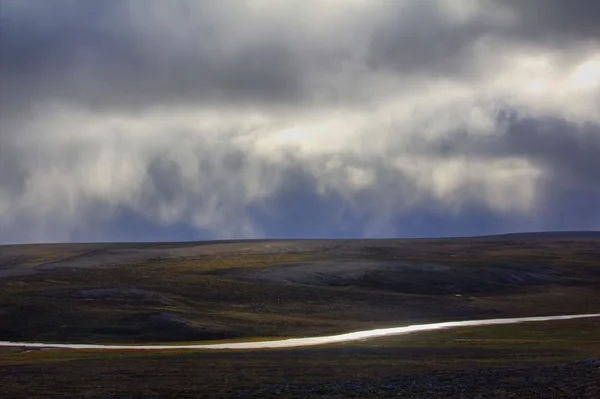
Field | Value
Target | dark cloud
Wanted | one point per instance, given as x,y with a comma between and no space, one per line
556,20
569,155
568,151
119,55
420,38
68,66
568,192
102,55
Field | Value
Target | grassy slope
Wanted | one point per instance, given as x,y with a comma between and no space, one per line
183,299
215,306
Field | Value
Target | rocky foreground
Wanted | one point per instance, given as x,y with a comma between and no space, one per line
578,380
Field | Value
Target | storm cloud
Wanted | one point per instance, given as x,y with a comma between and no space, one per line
156,120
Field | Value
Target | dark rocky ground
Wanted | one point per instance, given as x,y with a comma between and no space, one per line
578,380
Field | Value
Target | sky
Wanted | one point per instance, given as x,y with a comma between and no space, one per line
151,120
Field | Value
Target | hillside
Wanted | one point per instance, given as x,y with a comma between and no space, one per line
234,289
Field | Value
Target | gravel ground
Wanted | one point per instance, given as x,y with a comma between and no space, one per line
579,380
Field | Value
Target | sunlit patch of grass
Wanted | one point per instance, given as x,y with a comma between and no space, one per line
474,252
37,255
17,356
215,263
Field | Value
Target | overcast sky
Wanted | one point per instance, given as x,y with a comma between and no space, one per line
181,120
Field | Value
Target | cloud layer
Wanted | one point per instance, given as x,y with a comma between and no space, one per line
155,120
